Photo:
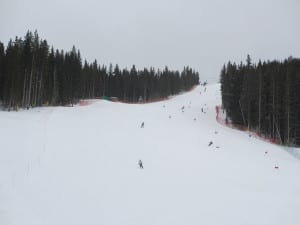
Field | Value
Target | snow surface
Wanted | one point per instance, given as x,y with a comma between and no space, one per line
78,166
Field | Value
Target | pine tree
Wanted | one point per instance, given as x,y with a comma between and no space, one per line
2,63
32,74
267,96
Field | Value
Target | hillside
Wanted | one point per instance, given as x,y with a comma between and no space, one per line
78,165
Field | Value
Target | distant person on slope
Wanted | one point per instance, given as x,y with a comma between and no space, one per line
142,126
141,164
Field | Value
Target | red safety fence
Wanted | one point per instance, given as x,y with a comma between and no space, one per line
223,121
85,102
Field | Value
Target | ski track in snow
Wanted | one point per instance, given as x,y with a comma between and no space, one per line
79,165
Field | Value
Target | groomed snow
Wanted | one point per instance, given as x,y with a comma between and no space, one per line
78,166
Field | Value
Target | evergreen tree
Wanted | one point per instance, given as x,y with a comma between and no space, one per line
2,63
265,96
32,74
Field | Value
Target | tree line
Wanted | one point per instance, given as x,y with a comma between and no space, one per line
265,97
33,74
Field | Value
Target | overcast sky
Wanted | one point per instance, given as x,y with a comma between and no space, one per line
201,33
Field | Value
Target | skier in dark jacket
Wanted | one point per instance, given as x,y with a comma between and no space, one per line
141,164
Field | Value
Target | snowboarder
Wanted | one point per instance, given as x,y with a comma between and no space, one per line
210,143
141,164
142,125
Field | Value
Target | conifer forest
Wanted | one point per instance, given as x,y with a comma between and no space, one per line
34,74
264,97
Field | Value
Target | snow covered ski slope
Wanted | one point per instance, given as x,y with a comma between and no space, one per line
79,166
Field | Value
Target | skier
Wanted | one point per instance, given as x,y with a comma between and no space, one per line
142,125
141,164
210,143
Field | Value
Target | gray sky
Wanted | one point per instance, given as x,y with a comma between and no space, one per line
202,34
